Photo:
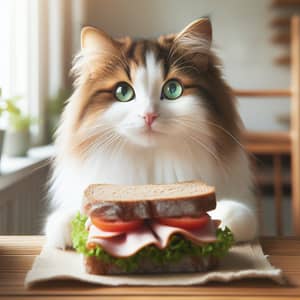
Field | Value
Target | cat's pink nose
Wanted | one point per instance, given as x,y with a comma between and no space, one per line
149,118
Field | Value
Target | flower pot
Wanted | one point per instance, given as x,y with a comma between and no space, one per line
16,143
1,141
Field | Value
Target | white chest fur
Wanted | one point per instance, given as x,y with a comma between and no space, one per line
145,166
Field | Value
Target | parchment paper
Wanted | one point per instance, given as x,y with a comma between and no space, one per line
243,261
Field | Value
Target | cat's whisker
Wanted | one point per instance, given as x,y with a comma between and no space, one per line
206,148
194,132
111,140
230,135
211,152
227,133
118,147
195,138
218,127
233,137
94,133
87,139
197,129
99,143
198,141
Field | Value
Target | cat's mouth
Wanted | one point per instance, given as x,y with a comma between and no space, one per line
143,130
143,135
150,130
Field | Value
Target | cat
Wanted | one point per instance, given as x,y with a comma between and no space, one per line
151,111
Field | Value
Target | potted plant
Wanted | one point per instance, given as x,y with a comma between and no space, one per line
17,136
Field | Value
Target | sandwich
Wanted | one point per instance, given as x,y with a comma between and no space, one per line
163,228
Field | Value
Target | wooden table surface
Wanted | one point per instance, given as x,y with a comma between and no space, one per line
18,252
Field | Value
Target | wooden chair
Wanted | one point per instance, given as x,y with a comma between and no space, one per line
282,143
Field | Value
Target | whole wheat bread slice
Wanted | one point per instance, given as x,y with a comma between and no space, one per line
127,202
188,264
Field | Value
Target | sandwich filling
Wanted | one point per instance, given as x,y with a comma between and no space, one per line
125,244
152,239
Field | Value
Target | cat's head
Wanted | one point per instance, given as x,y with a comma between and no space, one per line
150,93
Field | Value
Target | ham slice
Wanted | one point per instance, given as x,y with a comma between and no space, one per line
206,234
98,233
127,244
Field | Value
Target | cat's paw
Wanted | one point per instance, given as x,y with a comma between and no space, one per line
58,229
239,218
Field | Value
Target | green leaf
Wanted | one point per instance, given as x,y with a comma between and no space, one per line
19,122
12,108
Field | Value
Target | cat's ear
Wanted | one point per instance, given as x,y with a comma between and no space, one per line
198,31
195,41
96,39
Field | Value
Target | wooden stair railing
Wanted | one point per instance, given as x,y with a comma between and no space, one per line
283,142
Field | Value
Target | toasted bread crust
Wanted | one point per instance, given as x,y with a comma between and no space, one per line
190,203
188,264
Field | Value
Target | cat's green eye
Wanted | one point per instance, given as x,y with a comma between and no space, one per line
124,92
172,89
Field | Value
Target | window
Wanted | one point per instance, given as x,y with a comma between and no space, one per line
38,40
23,57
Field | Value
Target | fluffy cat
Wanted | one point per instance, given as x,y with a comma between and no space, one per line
150,111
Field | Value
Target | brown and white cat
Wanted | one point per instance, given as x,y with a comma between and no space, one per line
150,111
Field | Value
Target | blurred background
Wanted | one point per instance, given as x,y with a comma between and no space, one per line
39,39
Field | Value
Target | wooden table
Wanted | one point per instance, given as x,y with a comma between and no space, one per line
18,252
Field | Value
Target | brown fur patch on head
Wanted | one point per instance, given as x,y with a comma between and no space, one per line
193,62
187,56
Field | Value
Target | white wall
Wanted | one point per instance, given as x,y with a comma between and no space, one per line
241,37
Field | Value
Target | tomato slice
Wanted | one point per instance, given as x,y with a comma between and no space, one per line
186,222
116,226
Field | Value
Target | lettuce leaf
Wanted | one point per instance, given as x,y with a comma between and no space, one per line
177,248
